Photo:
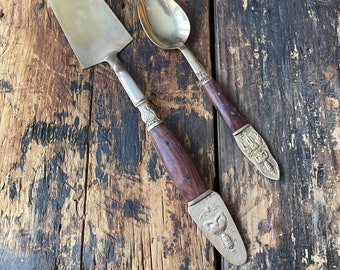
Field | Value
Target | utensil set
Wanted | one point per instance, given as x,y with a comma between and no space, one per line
96,35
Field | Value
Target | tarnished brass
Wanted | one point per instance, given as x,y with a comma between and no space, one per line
148,115
256,150
213,218
200,72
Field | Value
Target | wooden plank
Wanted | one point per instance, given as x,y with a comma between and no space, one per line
44,124
284,55
279,62
135,217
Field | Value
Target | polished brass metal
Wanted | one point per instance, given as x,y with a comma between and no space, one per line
91,28
168,27
256,150
213,218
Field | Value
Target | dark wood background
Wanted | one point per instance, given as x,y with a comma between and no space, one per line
81,186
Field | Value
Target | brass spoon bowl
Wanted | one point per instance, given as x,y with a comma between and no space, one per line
165,23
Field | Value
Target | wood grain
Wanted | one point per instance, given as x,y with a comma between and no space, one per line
178,163
278,60
226,108
44,125
81,186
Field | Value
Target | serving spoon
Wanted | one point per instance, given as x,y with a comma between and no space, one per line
168,27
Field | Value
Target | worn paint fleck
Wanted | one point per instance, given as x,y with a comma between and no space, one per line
50,133
245,4
41,5
5,86
155,169
117,140
336,137
78,86
185,264
134,209
13,191
10,259
52,189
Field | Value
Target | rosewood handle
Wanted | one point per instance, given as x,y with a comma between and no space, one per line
224,105
219,98
178,163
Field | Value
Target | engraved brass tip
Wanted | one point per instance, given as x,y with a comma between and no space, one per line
256,150
213,218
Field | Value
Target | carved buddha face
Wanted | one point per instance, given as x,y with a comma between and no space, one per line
216,223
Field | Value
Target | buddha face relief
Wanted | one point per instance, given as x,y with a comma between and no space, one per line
215,222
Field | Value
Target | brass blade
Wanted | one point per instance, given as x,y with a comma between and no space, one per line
91,28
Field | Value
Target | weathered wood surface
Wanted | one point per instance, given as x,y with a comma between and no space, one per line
44,127
279,61
81,186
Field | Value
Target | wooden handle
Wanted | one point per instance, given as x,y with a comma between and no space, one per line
224,105
178,163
